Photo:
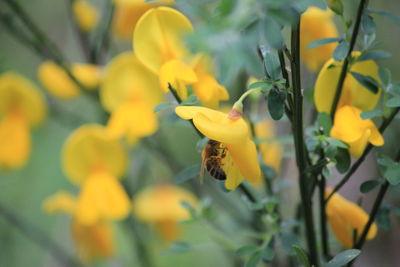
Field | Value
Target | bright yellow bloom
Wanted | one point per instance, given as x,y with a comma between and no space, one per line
241,160
21,107
344,217
162,205
356,132
271,150
158,37
94,160
93,241
316,24
128,12
86,15
353,93
130,92
207,88
59,84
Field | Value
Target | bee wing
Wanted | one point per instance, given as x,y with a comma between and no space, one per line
202,171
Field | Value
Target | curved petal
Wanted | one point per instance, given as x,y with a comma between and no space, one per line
178,74
86,14
89,75
348,126
62,201
353,93
158,37
90,148
126,78
102,197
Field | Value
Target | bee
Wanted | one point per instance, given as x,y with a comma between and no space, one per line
213,159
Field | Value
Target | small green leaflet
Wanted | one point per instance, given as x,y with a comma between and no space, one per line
369,185
374,55
341,51
392,173
367,24
394,102
369,114
301,256
343,258
391,16
323,41
188,173
366,81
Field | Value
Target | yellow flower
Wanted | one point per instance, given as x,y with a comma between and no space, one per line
130,92
240,160
59,84
158,44
207,88
21,107
128,12
86,15
162,205
93,241
271,150
353,93
94,160
344,217
356,132
316,24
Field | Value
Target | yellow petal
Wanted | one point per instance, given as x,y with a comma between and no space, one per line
233,175
90,148
126,78
89,75
209,91
316,24
62,201
215,125
245,158
17,92
86,14
353,93
134,120
158,37
101,197
178,74
163,203
93,241
15,140
56,81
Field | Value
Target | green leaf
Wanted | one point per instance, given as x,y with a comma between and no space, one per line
246,250
336,142
341,51
258,85
254,260
178,248
336,6
392,174
391,16
343,258
324,121
273,66
273,33
268,254
367,24
301,256
369,114
276,103
385,76
188,173
343,160
369,185
323,41
163,106
288,240
366,81
383,218
394,102
374,55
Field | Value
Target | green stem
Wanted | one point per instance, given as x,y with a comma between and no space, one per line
142,250
298,134
343,73
357,164
323,221
39,237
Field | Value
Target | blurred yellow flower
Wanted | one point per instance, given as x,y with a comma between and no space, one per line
93,159
93,241
162,205
59,84
128,12
207,88
271,149
238,152
21,106
130,92
344,217
353,93
86,14
356,132
316,24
